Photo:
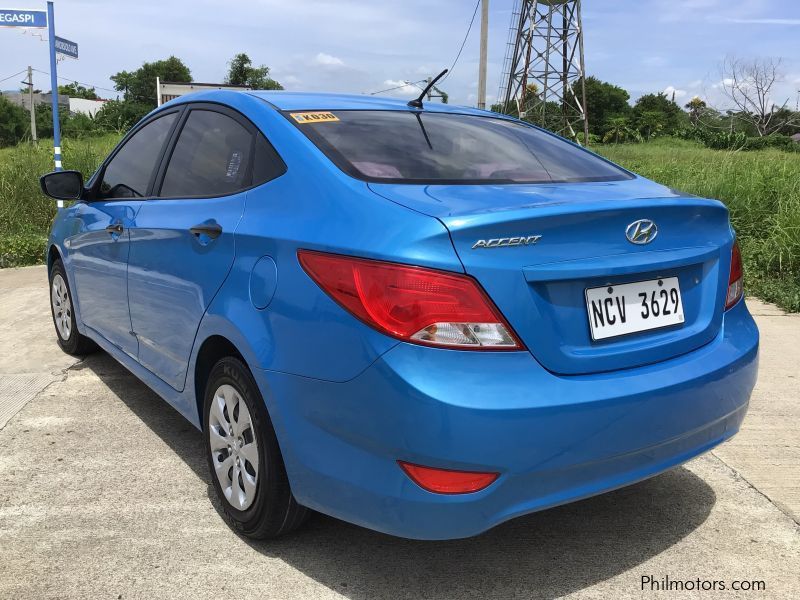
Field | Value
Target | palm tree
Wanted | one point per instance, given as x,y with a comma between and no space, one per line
696,107
618,130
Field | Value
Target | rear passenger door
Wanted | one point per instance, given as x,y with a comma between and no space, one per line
182,246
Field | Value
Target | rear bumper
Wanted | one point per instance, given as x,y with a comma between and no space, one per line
553,439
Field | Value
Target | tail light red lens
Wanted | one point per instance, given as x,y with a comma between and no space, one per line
414,304
444,481
736,279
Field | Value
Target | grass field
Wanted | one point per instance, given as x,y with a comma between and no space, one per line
25,213
761,189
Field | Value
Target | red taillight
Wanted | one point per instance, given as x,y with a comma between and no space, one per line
414,304
735,281
445,481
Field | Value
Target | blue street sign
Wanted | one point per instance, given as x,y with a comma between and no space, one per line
66,47
20,17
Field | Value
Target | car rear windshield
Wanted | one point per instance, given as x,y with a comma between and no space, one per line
428,148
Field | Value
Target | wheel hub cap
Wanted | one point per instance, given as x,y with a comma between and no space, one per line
233,447
62,307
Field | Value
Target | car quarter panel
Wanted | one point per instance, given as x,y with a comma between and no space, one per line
315,206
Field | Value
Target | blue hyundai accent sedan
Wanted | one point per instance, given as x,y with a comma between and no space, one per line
423,320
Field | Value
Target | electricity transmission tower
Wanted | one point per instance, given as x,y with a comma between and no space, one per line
543,70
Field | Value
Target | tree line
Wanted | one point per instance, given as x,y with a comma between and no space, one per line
753,120
138,97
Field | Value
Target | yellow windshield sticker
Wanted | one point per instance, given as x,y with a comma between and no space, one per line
314,117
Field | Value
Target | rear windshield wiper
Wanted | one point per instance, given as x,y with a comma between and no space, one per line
425,133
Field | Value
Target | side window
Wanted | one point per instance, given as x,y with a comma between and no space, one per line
129,172
267,164
211,157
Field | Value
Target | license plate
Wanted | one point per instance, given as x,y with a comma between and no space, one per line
632,307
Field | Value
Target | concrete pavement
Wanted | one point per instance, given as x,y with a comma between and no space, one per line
104,494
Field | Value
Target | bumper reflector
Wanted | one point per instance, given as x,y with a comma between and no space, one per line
445,481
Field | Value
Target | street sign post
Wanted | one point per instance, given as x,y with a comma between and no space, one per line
66,47
22,17
54,93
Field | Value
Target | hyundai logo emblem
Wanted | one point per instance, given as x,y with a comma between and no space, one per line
642,231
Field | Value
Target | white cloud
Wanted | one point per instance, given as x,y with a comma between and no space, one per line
326,60
402,88
670,90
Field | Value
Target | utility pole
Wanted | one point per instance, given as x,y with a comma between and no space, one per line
29,83
483,58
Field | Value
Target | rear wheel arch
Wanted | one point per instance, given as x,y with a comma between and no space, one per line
213,349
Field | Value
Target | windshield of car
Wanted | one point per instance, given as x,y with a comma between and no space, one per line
427,147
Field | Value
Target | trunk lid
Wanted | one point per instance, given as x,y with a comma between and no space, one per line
540,286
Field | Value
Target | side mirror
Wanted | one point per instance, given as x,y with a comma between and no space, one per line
63,185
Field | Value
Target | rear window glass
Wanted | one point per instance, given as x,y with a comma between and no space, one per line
408,147
211,157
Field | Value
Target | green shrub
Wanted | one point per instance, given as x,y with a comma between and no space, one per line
14,122
737,140
120,115
79,125
73,125
19,250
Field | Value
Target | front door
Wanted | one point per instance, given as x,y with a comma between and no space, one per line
98,250
182,245
99,259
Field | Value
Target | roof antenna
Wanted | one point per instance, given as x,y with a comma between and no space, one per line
417,102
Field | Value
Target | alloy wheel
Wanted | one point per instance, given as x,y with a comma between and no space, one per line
62,306
233,446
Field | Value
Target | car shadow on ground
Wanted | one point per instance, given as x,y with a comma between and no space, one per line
544,555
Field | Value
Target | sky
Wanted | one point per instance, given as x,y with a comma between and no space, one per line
363,46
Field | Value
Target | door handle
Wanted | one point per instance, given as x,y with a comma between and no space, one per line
115,228
212,230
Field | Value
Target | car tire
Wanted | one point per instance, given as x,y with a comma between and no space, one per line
245,462
61,307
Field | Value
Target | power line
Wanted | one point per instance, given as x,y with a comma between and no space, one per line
397,87
463,43
450,70
83,83
14,75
